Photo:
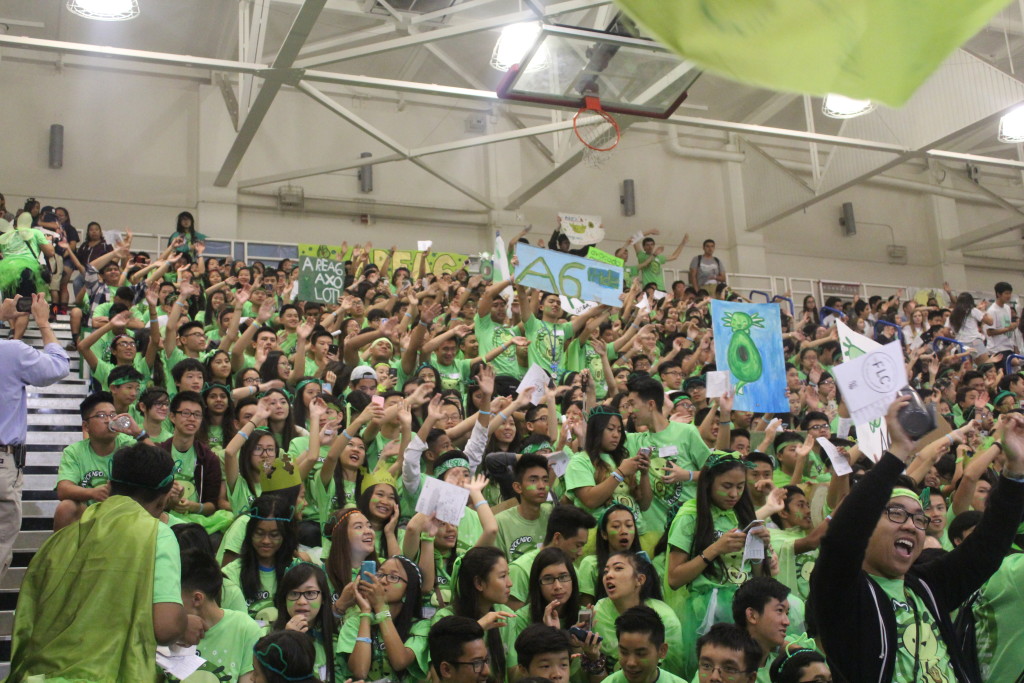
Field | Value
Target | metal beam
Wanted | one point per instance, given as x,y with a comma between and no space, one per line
1007,244
448,32
449,11
775,103
991,230
297,35
389,142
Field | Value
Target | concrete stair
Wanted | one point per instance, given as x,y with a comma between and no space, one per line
53,423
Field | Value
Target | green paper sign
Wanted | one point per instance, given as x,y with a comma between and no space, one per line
604,257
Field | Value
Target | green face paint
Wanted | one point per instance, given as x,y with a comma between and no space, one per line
531,487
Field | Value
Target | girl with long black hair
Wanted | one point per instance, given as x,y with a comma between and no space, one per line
300,607
705,543
251,581
616,532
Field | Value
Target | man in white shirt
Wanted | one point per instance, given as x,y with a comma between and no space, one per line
1000,332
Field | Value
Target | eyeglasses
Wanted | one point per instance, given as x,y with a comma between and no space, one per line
196,334
728,671
671,372
478,665
826,382
263,450
194,414
898,515
309,595
272,535
251,380
390,578
161,404
125,344
549,579
818,428
102,416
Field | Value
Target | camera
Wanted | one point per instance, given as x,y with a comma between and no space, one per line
917,418
23,305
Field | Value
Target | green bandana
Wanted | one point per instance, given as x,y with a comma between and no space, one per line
722,457
440,470
533,448
300,385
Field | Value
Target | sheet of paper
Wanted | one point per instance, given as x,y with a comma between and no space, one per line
753,549
840,464
869,383
445,501
638,236
423,245
179,662
161,320
667,451
537,379
574,306
643,304
659,295
717,383
773,424
559,461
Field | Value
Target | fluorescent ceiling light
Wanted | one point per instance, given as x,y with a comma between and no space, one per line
105,10
841,107
1011,126
513,44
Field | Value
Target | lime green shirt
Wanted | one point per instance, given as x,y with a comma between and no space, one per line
80,464
227,648
920,647
491,335
681,445
516,535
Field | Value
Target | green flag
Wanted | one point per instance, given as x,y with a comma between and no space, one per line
880,50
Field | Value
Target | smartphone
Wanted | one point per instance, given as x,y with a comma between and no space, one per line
393,372
377,400
581,634
368,567
586,617
24,305
753,525
333,349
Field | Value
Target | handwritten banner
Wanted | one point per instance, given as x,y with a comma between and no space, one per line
748,345
580,229
568,275
604,257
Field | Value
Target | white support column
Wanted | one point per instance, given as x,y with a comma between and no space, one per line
747,254
951,267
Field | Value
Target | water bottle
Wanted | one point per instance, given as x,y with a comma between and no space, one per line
120,424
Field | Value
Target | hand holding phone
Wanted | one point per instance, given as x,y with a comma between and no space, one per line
369,567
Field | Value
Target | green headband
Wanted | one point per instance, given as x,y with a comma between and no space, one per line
312,380
163,482
278,669
291,515
924,498
1001,395
677,399
441,469
124,380
601,410
721,457
227,389
534,447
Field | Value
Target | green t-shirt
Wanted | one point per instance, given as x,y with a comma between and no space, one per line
997,614
380,665
583,357
103,368
680,537
166,566
454,376
794,568
663,677
518,536
519,574
547,344
23,242
919,644
80,464
580,473
241,495
681,444
261,607
653,271
491,335
233,539
185,471
605,614
227,648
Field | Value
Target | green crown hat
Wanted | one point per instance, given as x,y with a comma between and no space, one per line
378,477
279,475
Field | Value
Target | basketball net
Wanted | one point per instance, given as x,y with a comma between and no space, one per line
597,130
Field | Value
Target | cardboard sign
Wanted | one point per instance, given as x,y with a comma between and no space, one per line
748,345
571,276
580,229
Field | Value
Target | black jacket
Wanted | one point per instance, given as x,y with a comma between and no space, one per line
853,615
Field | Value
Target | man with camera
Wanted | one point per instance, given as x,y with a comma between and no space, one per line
22,366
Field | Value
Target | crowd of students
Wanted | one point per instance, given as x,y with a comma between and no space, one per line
251,468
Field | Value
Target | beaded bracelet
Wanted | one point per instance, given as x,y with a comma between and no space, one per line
593,666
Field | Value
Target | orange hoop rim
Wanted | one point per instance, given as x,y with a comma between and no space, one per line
593,105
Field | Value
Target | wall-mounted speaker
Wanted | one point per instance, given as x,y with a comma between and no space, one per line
56,145
628,198
847,220
365,175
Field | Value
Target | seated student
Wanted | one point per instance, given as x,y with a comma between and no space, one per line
567,529
762,608
865,581
642,647
796,541
198,482
521,528
300,607
801,666
544,652
284,657
83,476
124,382
228,636
457,651
616,532
760,478
117,565
727,654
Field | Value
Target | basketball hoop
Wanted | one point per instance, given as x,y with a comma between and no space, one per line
597,130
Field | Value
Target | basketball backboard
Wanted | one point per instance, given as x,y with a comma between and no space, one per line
630,76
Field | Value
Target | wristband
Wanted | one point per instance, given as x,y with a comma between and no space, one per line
252,389
344,432
476,506
952,441
619,477
381,617
364,640
242,434
689,475
706,560
407,315
725,422
426,325
502,416
180,303
999,445
142,435
484,412
1019,480
426,538
368,615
